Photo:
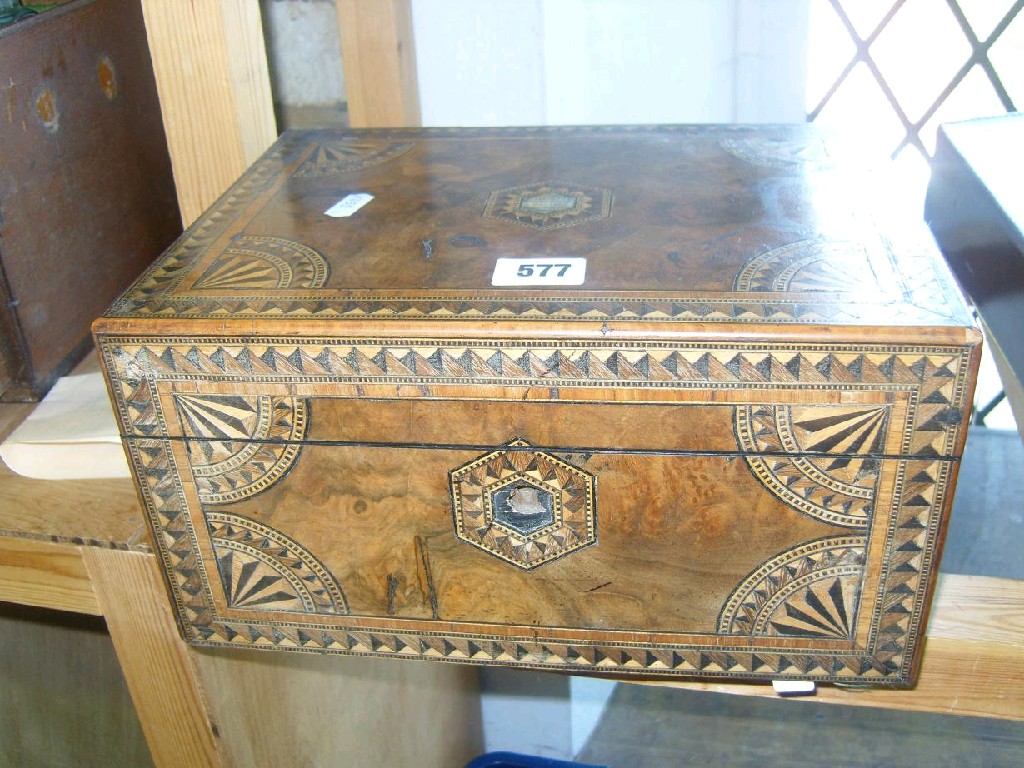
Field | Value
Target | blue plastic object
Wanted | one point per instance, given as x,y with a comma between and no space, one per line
513,760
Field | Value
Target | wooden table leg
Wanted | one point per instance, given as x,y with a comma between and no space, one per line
157,665
379,58
276,708
210,66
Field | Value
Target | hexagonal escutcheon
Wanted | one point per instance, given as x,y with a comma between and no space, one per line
549,204
523,505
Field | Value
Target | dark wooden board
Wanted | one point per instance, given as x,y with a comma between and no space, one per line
86,191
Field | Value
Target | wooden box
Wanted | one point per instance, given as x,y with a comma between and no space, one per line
87,198
645,401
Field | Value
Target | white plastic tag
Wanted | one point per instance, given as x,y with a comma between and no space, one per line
349,205
794,687
569,270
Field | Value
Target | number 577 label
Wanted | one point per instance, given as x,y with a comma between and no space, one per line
571,270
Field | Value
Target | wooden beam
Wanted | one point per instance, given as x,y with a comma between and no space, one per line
250,78
379,58
44,574
157,664
313,709
210,64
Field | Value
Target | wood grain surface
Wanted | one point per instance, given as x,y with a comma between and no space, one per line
294,709
379,57
363,510
729,453
85,183
101,512
249,82
157,665
970,664
979,609
45,574
693,217
214,89
104,513
687,525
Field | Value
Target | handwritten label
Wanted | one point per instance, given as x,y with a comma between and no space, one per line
571,270
349,205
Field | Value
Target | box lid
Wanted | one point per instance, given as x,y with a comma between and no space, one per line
675,229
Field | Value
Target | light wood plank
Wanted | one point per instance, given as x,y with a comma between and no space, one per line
379,58
46,575
973,660
250,80
300,709
957,678
211,75
103,512
979,608
156,663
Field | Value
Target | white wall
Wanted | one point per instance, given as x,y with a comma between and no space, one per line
523,62
770,79
480,62
587,699
303,52
660,61
540,713
527,712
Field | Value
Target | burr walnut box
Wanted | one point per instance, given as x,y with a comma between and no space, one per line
649,401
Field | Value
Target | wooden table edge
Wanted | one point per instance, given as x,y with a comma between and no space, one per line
973,662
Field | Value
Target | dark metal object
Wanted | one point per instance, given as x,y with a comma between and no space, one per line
982,413
975,211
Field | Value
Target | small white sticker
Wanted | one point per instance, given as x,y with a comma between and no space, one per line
571,270
349,205
794,687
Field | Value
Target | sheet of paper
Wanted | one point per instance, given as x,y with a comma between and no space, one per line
349,205
71,435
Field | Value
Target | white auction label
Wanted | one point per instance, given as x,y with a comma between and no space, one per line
349,204
794,687
570,270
